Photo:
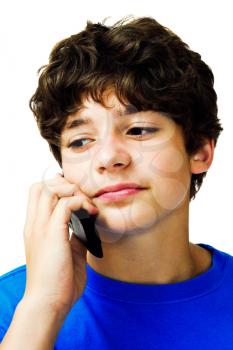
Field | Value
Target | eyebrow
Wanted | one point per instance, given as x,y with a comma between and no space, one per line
128,111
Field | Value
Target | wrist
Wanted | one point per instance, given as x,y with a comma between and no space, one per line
41,307
35,325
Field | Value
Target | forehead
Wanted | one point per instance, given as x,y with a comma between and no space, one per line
112,103
89,113
76,119
90,109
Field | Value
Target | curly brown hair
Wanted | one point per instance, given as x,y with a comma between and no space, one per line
148,66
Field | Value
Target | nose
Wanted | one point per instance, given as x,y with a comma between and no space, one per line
112,155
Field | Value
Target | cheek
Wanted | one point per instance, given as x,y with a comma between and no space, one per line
75,174
170,193
168,160
171,178
76,167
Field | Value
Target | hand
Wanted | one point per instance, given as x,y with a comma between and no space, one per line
55,264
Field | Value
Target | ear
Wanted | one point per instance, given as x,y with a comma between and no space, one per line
202,159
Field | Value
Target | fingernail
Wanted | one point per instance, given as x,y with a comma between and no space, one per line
94,210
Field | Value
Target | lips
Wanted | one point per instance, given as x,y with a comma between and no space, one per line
117,187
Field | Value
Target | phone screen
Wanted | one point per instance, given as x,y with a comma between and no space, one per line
83,225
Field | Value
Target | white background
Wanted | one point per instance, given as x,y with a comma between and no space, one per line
28,31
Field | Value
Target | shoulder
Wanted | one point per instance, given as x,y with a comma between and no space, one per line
13,281
17,271
12,287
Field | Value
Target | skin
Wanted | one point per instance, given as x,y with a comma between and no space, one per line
145,237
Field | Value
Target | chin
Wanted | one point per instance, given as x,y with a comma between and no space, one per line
116,222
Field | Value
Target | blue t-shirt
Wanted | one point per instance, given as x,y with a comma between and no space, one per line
111,314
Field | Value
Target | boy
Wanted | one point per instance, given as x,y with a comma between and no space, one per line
152,288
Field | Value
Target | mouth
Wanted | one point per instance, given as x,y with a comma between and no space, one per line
117,187
119,195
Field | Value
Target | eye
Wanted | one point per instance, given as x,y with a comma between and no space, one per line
77,143
137,131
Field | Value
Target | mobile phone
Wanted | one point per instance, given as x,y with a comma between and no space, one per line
83,225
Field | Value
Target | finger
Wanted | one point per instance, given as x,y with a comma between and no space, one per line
33,200
56,180
62,214
48,200
32,207
60,189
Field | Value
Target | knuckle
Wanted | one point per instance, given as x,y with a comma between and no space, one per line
35,187
63,201
66,201
63,204
51,194
78,192
59,190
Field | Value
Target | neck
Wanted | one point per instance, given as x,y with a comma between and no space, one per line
160,255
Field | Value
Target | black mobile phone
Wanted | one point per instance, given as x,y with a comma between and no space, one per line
83,225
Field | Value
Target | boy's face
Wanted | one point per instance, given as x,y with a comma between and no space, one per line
146,148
